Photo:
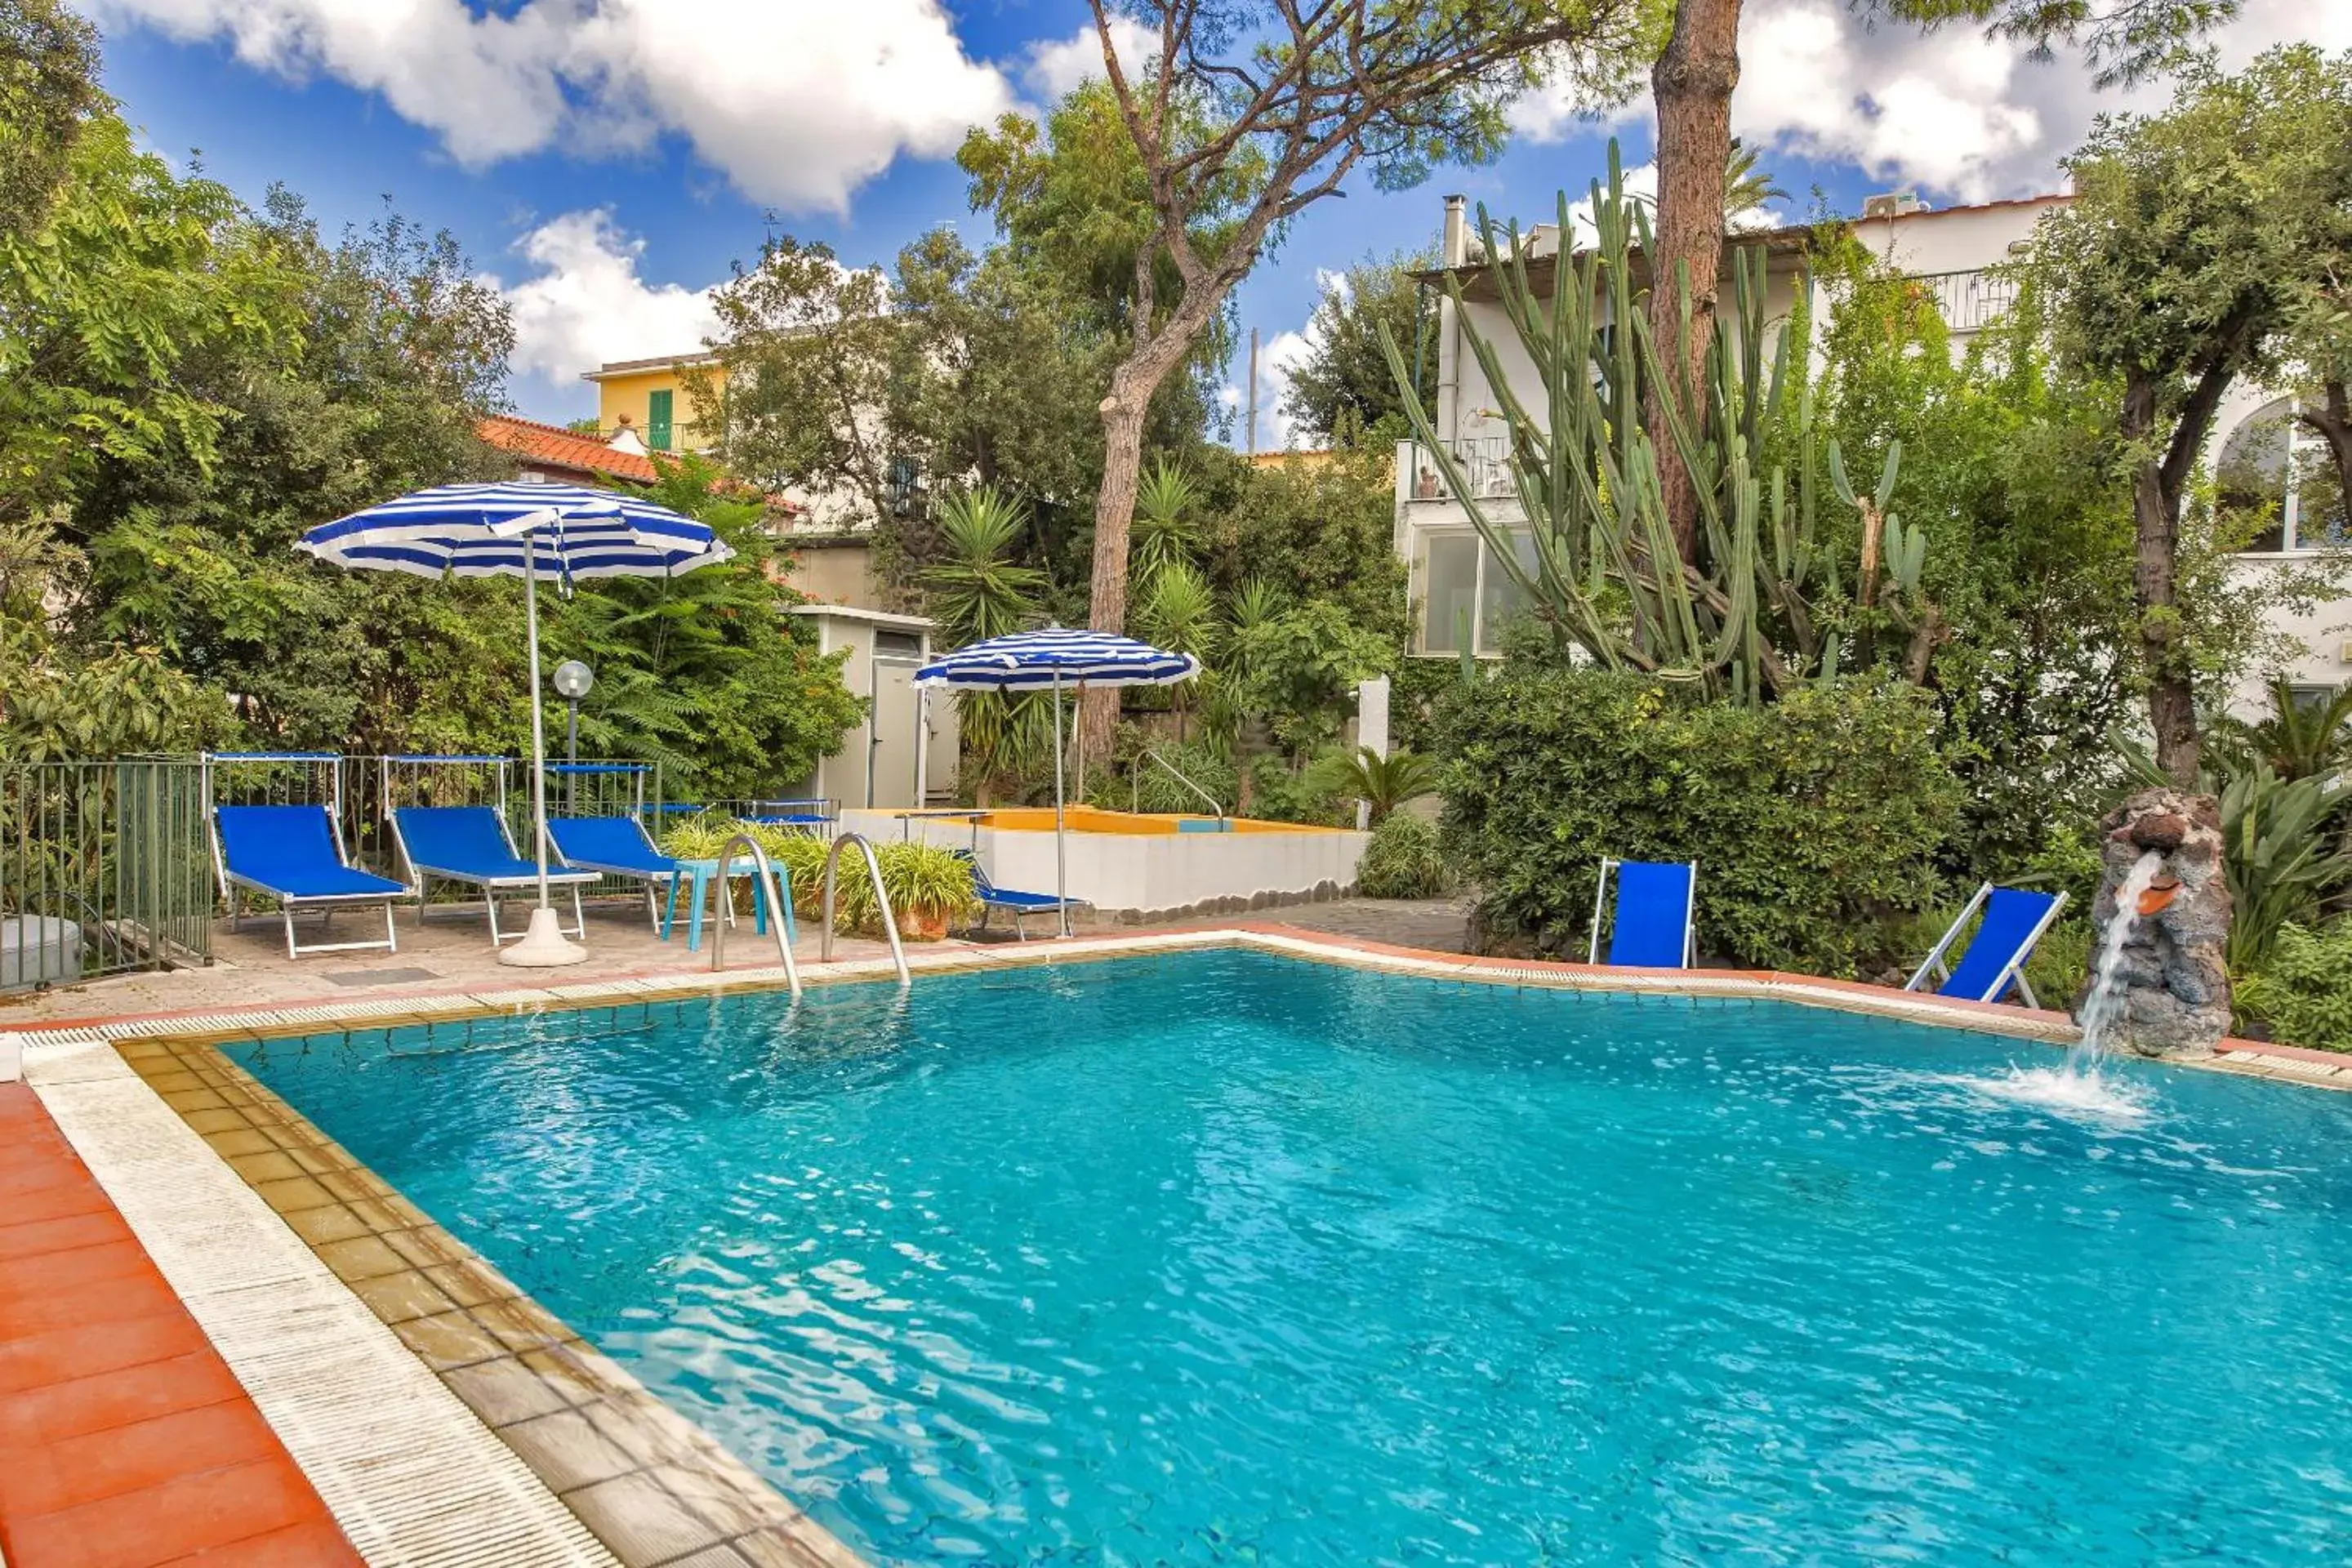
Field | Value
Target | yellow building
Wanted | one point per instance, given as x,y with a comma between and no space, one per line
653,399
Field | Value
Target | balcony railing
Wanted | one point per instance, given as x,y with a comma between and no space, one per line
1485,462
1968,300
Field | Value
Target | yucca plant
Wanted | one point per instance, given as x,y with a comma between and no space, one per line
1166,529
2279,856
976,590
1179,612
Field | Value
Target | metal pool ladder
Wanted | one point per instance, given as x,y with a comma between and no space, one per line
881,901
764,872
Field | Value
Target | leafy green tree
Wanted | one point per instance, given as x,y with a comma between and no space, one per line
706,672
1343,393
1251,114
135,272
48,87
2176,271
808,346
1321,529
1691,87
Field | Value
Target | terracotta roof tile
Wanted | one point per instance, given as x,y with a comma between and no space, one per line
556,447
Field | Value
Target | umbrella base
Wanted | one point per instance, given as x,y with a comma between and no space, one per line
543,946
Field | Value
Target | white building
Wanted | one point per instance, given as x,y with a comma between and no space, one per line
1457,585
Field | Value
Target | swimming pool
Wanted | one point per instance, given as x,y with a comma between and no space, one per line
1221,1257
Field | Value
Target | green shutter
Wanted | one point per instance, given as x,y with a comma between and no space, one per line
657,420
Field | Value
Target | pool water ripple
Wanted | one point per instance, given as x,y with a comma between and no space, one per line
1224,1257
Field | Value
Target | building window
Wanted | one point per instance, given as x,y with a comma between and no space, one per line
660,429
1466,592
2273,466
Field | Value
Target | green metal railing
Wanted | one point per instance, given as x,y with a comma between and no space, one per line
105,867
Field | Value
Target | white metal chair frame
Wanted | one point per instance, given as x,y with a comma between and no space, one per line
2015,970
289,904
420,879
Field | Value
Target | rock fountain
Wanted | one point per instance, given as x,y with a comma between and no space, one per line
2161,985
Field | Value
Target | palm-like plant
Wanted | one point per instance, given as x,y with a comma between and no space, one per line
1747,188
976,590
1387,783
1179,613
2304,737
1167,532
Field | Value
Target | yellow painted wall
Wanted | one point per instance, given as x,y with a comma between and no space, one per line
632,394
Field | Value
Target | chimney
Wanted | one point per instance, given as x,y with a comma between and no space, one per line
1456,249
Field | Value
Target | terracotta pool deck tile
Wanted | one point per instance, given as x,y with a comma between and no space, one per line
73,1231
85,1350
125,1440
172,1521
296,1546
57,1412
95,1465
360,1257
567,1450
32,1276
294,1193
97,1302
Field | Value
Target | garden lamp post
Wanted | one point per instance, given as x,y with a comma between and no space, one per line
572,681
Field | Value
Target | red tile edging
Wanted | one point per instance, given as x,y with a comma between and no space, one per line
125,1439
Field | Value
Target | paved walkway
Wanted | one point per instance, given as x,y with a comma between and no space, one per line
125,1440
452,953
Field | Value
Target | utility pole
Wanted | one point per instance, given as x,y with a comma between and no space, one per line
1253,393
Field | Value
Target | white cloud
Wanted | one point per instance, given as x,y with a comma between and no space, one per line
1963,116
797,101
585,302
1058,65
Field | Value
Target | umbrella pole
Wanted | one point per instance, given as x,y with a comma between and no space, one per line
543,946
538,726
1061,852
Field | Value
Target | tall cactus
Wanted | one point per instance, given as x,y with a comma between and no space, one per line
1752,614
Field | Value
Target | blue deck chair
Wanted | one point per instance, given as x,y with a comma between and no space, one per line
468,843
291,854
1655,927
614,846
2014,921
1019,905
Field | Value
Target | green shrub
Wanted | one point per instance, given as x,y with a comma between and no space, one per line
2302,996
1403,860
1815,820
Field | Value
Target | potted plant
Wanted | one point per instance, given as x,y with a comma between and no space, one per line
929,889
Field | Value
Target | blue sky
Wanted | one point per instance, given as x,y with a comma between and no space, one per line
606,160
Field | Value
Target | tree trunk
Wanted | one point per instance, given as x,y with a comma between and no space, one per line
1122,419
2156,521
1691,87
2332,420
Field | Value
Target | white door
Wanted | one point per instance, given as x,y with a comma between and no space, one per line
891,737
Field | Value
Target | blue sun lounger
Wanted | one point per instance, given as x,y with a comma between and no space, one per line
1019,905
1655,925
614,846
291,854
2014,921
468,843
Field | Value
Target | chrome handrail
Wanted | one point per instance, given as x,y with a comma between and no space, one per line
1135,789
881,901
764,869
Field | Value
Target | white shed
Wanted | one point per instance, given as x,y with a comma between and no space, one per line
905,752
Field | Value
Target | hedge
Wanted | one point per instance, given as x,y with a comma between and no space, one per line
1815,820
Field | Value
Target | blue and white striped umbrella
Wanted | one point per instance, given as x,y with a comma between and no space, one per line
477,531
1048,660
521,530
1040,660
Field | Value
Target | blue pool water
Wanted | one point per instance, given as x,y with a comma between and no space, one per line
1224,1257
